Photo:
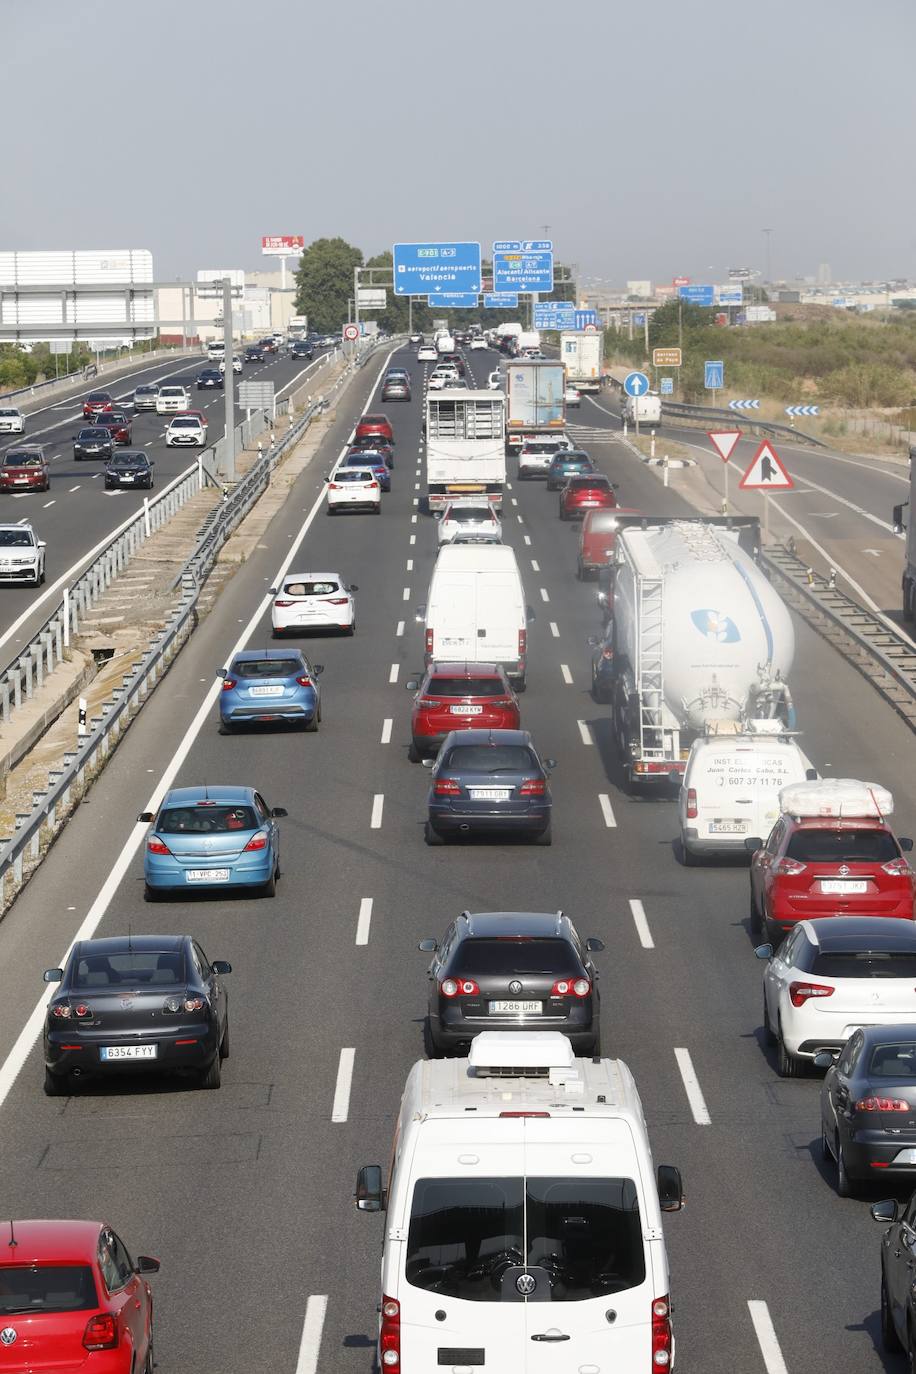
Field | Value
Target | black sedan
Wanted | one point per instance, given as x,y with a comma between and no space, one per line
131,468
570,462
489,782
868,1097
211,379
254,354
300,349
511,970
898,1291
95,441
136,1002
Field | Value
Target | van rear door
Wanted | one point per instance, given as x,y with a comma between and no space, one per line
738,787
452,617
500,616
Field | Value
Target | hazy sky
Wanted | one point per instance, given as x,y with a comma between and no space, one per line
655,139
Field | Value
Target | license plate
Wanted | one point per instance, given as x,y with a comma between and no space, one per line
516,1008
267,691
493,794
843,885
207,875
128,1051
125,477
465,710
727,827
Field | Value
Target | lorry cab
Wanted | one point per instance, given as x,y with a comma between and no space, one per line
523,1226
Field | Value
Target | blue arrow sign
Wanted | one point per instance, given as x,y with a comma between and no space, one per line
714,376
423,269
516,267
697,295
666,386
744,405
500,300
454,300
584,317
803,410
636,384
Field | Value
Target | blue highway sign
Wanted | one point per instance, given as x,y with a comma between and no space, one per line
520,267
636,384
714,375
697,295
585,317
423,269
554,315
666,386
500,300
454,300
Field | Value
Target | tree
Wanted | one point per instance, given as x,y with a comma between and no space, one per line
324,283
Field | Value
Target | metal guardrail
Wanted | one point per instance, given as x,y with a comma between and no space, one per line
677,409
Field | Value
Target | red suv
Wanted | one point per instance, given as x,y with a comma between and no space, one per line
586,492
828,866
459,696
372,425
97,403
72,1297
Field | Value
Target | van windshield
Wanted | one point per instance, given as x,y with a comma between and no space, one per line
467,1238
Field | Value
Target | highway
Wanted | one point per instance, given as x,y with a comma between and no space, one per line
245,1193
77,514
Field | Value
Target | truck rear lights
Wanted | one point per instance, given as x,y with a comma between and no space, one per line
691,803
522,644
430,635
801,992
101,1332
662,1340
459,987
571,987
389,1340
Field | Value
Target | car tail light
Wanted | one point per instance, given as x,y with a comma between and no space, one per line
800,992
446,787
286,603
522,643
101,1332
459,987
258,841
662,1340
337,601
229,683
691,803
896,867
787,868
389,1340
155,846
305,681
82,1010
334,486
534,787
61,1010
571,987
430,635
881,1104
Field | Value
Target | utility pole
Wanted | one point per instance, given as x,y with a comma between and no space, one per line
228,381
766,233
356,295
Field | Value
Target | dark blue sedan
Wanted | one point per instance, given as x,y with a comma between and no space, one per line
487,782
270,686
370,458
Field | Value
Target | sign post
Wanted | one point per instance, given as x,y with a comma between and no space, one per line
724,441
766,473
636,384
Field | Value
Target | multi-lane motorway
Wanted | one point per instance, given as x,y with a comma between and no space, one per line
245,1193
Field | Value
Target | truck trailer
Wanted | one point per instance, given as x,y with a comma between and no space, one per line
465,446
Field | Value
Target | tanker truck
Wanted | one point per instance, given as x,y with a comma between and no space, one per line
698,637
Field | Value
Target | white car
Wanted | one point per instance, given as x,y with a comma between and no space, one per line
172,398
12,421
185,431
466,521
236,363
22,555
426,353
478,341
826,980
354,488
573,397
438,381
495,381
536,455
311,601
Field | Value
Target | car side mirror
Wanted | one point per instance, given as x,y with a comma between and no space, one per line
810,775
550,764
897,518
318,669
370,1195
221,966
222,672
885,1211
147,1265
529,614
824,1060
278,811
905,843
412,685
763,952
53,975
152,462
353,587
428,946
437,514
752,843
427,763
670,1188
146,817
42,543
419,614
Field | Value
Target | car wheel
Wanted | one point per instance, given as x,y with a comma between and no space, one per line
55,1084
689,859
889,1338
768,1032
787,1065
224,1043
269,889
845,1186
351,628
546,836
413,753
431,836
149,1363
150,894
430,1048
211,1076
311,726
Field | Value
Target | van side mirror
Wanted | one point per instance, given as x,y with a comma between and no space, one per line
53,975
419,614
810,775
885,1211
529,614
752,843
763,952
670,1188
412,685
370,1195
905,843
897,518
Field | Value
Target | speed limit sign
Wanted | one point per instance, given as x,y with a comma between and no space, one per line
351,332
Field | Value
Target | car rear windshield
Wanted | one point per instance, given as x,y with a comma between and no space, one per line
842,846
491,758
464,515
353,475
131,966
579,1238
98,396
509,955
205,819
602,522
365,456
580,483
310,588
98,434
267,667
146,390
465,687
15,539
46,1288
22,460
866,964
896,1059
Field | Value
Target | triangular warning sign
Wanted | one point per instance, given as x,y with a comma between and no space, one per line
766,472
724,441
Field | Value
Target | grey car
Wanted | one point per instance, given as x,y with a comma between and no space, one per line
489,782
145,397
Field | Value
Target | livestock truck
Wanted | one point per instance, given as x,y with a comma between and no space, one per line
465,446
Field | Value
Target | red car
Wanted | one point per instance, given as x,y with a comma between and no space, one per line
373,425
73,1299
828,866
585,492
374,443
98,403
118,424
597,535
25,469
456,696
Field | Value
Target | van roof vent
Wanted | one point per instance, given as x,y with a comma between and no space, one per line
520,1054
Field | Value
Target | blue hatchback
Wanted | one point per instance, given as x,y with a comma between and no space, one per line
372,459
212,837
270,685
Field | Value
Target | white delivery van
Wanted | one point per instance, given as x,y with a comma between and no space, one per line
476,610
647,408
216,350
445,343
731,787
524,1216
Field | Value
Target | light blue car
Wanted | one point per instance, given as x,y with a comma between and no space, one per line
270,685
212,836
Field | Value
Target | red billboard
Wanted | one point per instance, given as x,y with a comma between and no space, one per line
283,245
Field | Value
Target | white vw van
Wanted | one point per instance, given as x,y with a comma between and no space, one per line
476,609
523,1227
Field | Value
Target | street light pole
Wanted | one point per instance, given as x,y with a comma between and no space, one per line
766,233
228,381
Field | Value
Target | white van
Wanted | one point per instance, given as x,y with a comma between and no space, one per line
648,408
731,788
523,1210
216,350
475,610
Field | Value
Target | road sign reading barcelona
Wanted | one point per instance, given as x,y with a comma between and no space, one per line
554,315
523,265
500,300
454,300
429,269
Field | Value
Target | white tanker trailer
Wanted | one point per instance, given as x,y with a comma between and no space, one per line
699,638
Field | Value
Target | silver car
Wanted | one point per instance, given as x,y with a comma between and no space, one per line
145,397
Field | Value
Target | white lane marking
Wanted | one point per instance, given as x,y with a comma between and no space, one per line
76,488
312,1328
406,596
413,519
766,1337
513,500
642,925
692,1088
527,538
416,500
535,565
520,519
410,565
400,630
47,504
416,486
585,732
413,539
386,730
554,629
544,595
393,674
567,675
341,1107
378,806
365,917
607,811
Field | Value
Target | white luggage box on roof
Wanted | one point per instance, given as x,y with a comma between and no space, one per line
841,797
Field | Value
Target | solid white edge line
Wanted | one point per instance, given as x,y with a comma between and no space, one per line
341,1107
22,1046
363,922
765,1332
378,807
692,1088
312,1328
387,723
638,912
585,732
607,810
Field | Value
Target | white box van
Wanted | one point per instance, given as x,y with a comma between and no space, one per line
524,1227
476,609
648,408
731,789
216,350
